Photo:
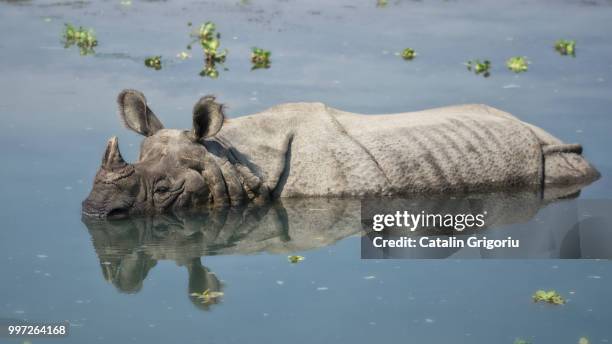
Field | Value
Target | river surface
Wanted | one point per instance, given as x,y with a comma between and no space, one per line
133,282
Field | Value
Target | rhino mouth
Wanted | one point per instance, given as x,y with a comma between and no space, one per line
92,210
116,213
93,213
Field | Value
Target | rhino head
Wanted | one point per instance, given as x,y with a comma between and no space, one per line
176,169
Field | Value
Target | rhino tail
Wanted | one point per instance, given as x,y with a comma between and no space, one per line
566,170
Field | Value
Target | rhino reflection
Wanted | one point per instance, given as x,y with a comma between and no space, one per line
129,248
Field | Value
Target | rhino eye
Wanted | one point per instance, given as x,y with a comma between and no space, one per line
162,187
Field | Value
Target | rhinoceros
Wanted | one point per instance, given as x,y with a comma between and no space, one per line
312,150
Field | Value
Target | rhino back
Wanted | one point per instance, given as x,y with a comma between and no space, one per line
460,148
308,149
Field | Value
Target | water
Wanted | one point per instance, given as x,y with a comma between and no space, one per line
58,108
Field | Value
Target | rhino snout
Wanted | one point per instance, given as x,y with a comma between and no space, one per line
92,209
110,201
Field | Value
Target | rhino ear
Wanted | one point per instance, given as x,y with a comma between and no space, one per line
135,113
112,159
208,117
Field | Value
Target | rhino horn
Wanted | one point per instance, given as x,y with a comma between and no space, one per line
112,159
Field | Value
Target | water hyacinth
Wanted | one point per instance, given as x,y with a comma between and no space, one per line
183,55
479,67
83,38
153,62
208,296
210,40
518,64
550,296
566,47
408,54
260,58
210,71
295,259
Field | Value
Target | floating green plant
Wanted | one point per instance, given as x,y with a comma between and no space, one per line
83,38
260,58
183,55
210,40
583,340
210,71
550,296
518,64
566,47
408,54
295,259
207,296
382,3
479,67
153,62
521,341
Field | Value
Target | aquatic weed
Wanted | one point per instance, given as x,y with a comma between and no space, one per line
210,40
479,67
517,64
207,296
183,55
408,54
566,47
260,58
84,38
550,296
153,62
295,259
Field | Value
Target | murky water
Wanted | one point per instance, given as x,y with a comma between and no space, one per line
133,282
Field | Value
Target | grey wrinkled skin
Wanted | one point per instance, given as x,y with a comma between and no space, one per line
311,150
